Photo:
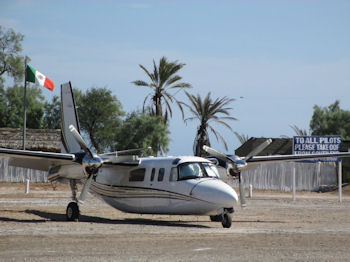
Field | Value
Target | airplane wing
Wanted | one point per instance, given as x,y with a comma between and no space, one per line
36,159
279,158
252,161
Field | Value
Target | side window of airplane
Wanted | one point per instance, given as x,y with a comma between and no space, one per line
173,174
190,171
137,175
152,173
161,174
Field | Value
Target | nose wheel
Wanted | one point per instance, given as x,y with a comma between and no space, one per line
72,212
226,220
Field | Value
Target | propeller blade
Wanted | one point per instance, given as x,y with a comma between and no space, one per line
85,190
80,140
90,163
241,191
258,149
238,165
217,154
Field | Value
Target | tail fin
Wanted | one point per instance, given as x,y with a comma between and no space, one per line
69,117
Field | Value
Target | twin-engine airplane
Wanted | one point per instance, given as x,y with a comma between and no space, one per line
184,185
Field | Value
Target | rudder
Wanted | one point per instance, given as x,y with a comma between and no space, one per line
69,116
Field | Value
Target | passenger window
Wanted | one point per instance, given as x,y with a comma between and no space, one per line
152,174
161,174
137,175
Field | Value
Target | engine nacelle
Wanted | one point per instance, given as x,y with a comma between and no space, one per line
74,171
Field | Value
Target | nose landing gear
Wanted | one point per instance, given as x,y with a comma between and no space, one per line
225,218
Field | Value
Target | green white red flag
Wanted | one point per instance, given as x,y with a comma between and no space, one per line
34,76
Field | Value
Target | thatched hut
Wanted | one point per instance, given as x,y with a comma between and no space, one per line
47,140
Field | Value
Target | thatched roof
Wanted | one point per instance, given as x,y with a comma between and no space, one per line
279,146
48,140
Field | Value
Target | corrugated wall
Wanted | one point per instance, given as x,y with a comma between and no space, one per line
18,174
278,176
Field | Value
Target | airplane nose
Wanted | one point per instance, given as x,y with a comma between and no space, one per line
215,191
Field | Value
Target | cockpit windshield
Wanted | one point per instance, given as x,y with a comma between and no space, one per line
195,170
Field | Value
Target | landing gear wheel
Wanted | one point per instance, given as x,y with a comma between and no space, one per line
217,218
72,212
226,220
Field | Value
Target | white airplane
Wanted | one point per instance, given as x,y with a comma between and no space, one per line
184,185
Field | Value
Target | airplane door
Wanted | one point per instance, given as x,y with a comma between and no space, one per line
180,186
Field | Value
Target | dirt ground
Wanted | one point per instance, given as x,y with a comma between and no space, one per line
315,227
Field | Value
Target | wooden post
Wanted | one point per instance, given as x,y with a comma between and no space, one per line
340,181
250,191
24,105
27,186
293,182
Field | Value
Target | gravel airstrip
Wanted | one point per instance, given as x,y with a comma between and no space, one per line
273,227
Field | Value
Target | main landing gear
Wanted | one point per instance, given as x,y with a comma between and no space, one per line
72,211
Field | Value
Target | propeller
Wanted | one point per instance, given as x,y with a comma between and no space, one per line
80,140
237,164
91,163
258,149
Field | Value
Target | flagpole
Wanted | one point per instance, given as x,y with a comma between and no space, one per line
25,104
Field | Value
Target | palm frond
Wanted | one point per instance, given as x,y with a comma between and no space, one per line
172,80
208,112
164,77
242,138
148,73
298,131
155,73
144,102
218,136
218,121
140,83
168,107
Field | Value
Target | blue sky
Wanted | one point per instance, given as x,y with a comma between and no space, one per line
276,58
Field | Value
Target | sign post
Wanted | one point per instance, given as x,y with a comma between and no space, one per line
340,181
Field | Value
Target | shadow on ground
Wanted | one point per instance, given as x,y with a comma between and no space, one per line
50,216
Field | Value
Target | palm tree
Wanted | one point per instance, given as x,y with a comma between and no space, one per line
163,80
207,112
298,131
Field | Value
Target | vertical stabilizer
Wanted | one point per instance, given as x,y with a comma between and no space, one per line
69,117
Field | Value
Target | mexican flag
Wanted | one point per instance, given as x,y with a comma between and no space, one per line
35,76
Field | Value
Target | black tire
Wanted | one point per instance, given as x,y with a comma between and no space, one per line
72,212
226,220
216,218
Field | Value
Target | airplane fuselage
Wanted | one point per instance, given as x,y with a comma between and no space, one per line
169,185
